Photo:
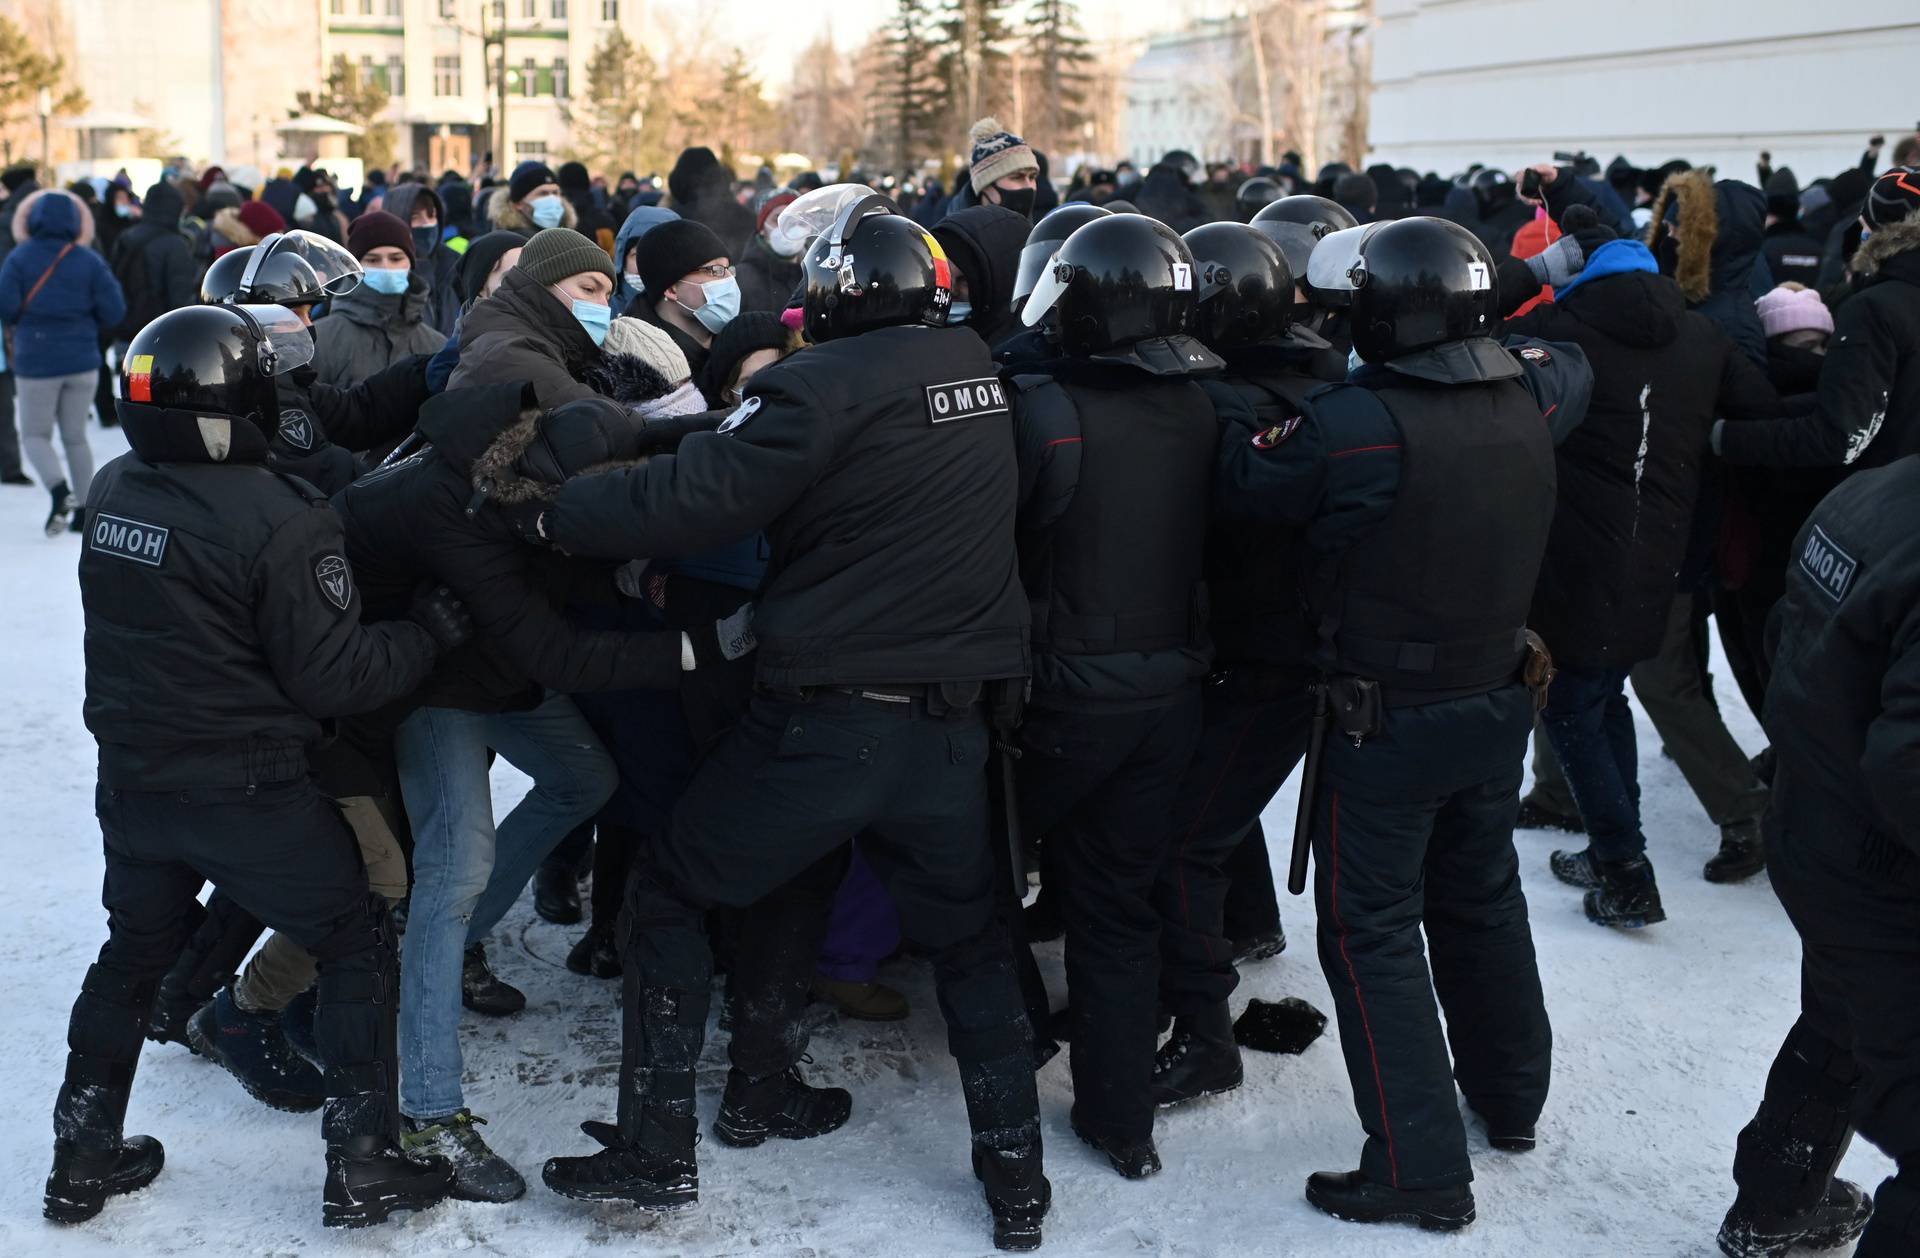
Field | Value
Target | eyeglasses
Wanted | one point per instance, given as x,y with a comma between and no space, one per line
713,272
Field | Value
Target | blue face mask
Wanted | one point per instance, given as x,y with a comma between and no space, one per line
547,211
390,282
122,209
632,284
596,317
958,313
723,303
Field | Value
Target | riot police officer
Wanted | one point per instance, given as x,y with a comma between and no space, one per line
222,628
1116,444
1255,704
1297,224
1844,852
1426,485
1256,194
1032,344
878,464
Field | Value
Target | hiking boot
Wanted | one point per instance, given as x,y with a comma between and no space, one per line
1753,1231
1133,1159
596,955
1353,1197
1626,896
1199,1059
1742,854
482,991
479,1174
867,1002
82,1178
62,510
369,1179
1574,868
1534,816
254,1049
556,893
1017,1193
656,1172
782,1106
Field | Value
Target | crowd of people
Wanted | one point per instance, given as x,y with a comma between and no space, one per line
840,560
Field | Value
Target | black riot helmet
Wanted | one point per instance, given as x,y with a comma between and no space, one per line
1313,211
1117,280
1245,287
215,361
295,268
1186,163
874,268
1411,284
1256,194
1055,226
1493,189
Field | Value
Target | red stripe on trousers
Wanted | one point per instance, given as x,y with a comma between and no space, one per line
1333,906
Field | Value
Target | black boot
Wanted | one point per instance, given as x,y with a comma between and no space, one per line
1017,1193
1626,897
1353,1197
1533,816
84,1177
1508,1137
254,1049
1753,1231
556,892
368,1179
1133,1159
1259,947
1199,1059
596,955
655,1170
782,1106
482,991
1741,854
1575,868
62,510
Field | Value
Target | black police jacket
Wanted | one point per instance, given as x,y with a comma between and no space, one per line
1843,708
410,521
882,469
325,431
1115,465
1427,504
222,616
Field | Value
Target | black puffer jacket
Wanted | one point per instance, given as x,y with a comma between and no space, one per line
153,262
1630,474
409,522
523,333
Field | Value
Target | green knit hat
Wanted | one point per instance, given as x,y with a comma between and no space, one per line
558,252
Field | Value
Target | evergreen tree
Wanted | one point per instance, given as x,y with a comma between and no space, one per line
349,99
911,94
738,117
613,124
1061,61
974,66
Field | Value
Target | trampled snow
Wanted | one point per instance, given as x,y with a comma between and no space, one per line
1661,1045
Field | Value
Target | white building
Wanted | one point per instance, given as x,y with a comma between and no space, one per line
1715,81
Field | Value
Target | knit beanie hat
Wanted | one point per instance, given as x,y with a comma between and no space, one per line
743,335
573,177
694,170
478,261
376,228
558,252
636,338
15,176
1787,310
997,153
670,251
526,177
262,219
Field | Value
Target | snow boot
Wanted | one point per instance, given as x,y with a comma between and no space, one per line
1742,854
1017,1193
1199,1059
296,1021
1533,816
1574,868
1133,1159
596,955
1627,896
84,1176
1753,1231
1353,1197
556,892
782,1106
655,1170
254,1050
62,510
368,1179
1259,947
479,1174
482,991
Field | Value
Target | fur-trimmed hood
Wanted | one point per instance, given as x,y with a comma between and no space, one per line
233,228
1885,244
529,459
507,216
43,214
1716,232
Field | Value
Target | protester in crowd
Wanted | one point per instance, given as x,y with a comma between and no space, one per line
590,219
770,267
530,202
1001,170
983,244
545,322
435,260
383,320
701,189
688,286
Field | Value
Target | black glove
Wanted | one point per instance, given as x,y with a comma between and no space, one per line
436,610
724,640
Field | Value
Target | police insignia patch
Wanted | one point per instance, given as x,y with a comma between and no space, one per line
741,414
1534,354
1831,568
127,539
296,429
965,399
336,580
1273,436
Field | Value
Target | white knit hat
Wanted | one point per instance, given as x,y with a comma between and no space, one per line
650,345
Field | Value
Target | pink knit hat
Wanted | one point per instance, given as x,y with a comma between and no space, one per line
1787,310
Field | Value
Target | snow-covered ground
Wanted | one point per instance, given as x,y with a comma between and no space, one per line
1661,1044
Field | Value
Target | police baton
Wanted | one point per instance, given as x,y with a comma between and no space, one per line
1006,754
1309,779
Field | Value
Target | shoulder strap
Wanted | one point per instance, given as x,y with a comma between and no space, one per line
46,275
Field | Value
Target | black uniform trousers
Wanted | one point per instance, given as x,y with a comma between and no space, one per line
1252,906
283,853
1249,742
1852,1061
765,823
1412,829
1099,788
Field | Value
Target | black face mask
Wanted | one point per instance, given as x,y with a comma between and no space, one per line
1019,200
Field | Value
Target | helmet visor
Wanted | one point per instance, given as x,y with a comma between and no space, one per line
1054,278
339,271
1334,270
810,215
285,342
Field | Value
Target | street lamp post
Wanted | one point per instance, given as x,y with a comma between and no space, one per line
46,113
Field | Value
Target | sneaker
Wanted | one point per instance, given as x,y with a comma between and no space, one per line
62,510
866,1002
1353,1197
254,1049
595,955
83,1179
1742,853
657,1172
1752,1231
479,1174
1626,897
368,1180
782,1106
482,991
1574,868
1534,817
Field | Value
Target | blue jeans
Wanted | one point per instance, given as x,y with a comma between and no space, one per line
466,872
1591,729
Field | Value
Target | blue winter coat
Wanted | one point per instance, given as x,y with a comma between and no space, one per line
59,333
